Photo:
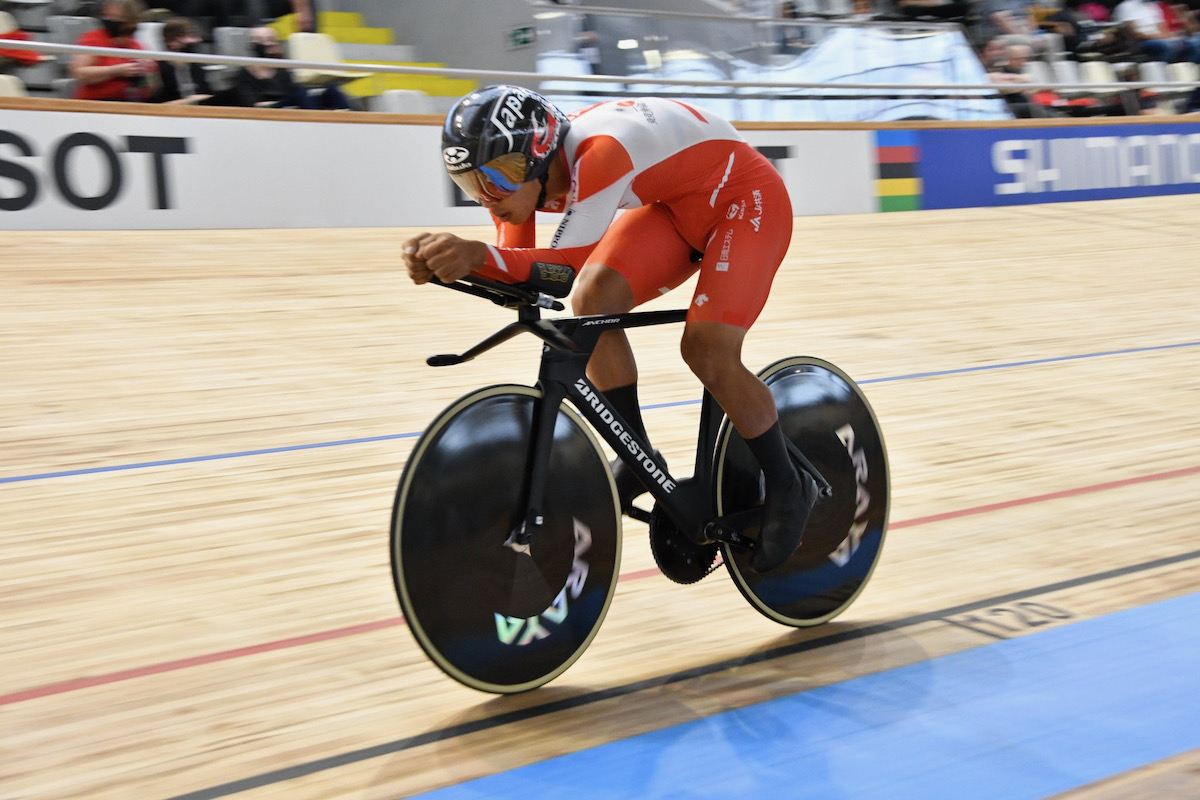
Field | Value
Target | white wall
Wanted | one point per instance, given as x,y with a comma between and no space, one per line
63,170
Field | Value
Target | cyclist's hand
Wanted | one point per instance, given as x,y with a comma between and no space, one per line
443,254
418,270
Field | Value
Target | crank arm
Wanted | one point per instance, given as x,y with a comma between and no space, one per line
824,490
732,529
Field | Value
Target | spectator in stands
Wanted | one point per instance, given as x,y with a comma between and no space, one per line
1082,36
1005,65
1145,28
115,77
272,87
1179,18
306,14
305,11
1096,11
791,37
183,82
1013,20
992,54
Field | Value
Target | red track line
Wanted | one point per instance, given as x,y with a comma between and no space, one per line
1042,498
370,627
194,661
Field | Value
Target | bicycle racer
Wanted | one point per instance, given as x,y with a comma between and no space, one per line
689,186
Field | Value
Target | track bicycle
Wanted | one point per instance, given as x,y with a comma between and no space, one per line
506,527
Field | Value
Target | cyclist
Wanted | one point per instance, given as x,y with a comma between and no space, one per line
695,196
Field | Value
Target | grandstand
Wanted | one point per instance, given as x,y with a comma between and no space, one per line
830,61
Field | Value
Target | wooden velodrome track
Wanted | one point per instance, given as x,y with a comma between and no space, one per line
201,434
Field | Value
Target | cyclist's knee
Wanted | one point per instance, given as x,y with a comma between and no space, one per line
712,351
600,289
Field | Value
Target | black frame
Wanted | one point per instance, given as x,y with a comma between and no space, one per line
568,345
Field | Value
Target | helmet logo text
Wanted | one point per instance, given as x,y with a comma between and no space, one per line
506,114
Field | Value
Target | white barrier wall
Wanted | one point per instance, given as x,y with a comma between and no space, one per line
84,167
66,170
73,171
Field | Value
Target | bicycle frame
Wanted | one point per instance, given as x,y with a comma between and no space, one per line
568,345
477,596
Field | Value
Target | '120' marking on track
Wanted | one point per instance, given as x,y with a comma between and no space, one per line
1008,621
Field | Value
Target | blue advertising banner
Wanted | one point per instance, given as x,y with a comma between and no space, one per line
968,168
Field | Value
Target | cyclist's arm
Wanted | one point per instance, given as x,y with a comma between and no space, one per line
603,172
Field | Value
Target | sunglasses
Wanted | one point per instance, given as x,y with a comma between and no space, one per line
495,180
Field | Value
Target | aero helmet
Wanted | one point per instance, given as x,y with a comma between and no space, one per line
499,137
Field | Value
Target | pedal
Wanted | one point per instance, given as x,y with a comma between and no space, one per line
730,536
735,529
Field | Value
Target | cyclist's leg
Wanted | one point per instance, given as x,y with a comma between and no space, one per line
713,351
640,257
739,266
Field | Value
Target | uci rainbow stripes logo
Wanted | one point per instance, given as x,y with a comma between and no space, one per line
898,161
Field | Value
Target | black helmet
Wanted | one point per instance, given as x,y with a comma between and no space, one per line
499,137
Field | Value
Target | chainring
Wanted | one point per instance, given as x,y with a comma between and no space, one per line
679,558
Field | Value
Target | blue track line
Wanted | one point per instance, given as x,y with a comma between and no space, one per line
270,450
193,459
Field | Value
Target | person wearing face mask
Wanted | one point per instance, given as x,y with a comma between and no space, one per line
115,77
183,82
263,86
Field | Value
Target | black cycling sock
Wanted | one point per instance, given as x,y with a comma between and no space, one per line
624,400
770,448
788,503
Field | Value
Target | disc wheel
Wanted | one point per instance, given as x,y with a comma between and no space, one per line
825,414
492,614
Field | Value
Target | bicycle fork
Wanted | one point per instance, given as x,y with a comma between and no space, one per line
545,417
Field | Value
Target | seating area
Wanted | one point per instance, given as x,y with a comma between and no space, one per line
1092,82
346,38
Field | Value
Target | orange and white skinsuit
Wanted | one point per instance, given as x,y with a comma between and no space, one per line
688,182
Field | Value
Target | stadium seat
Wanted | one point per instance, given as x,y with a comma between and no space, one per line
149,35
1184,71
321,48
232,41
68,29
404,101
1066,72
1170,98
1153,72
1037,72
1098,73
12,86
30,15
